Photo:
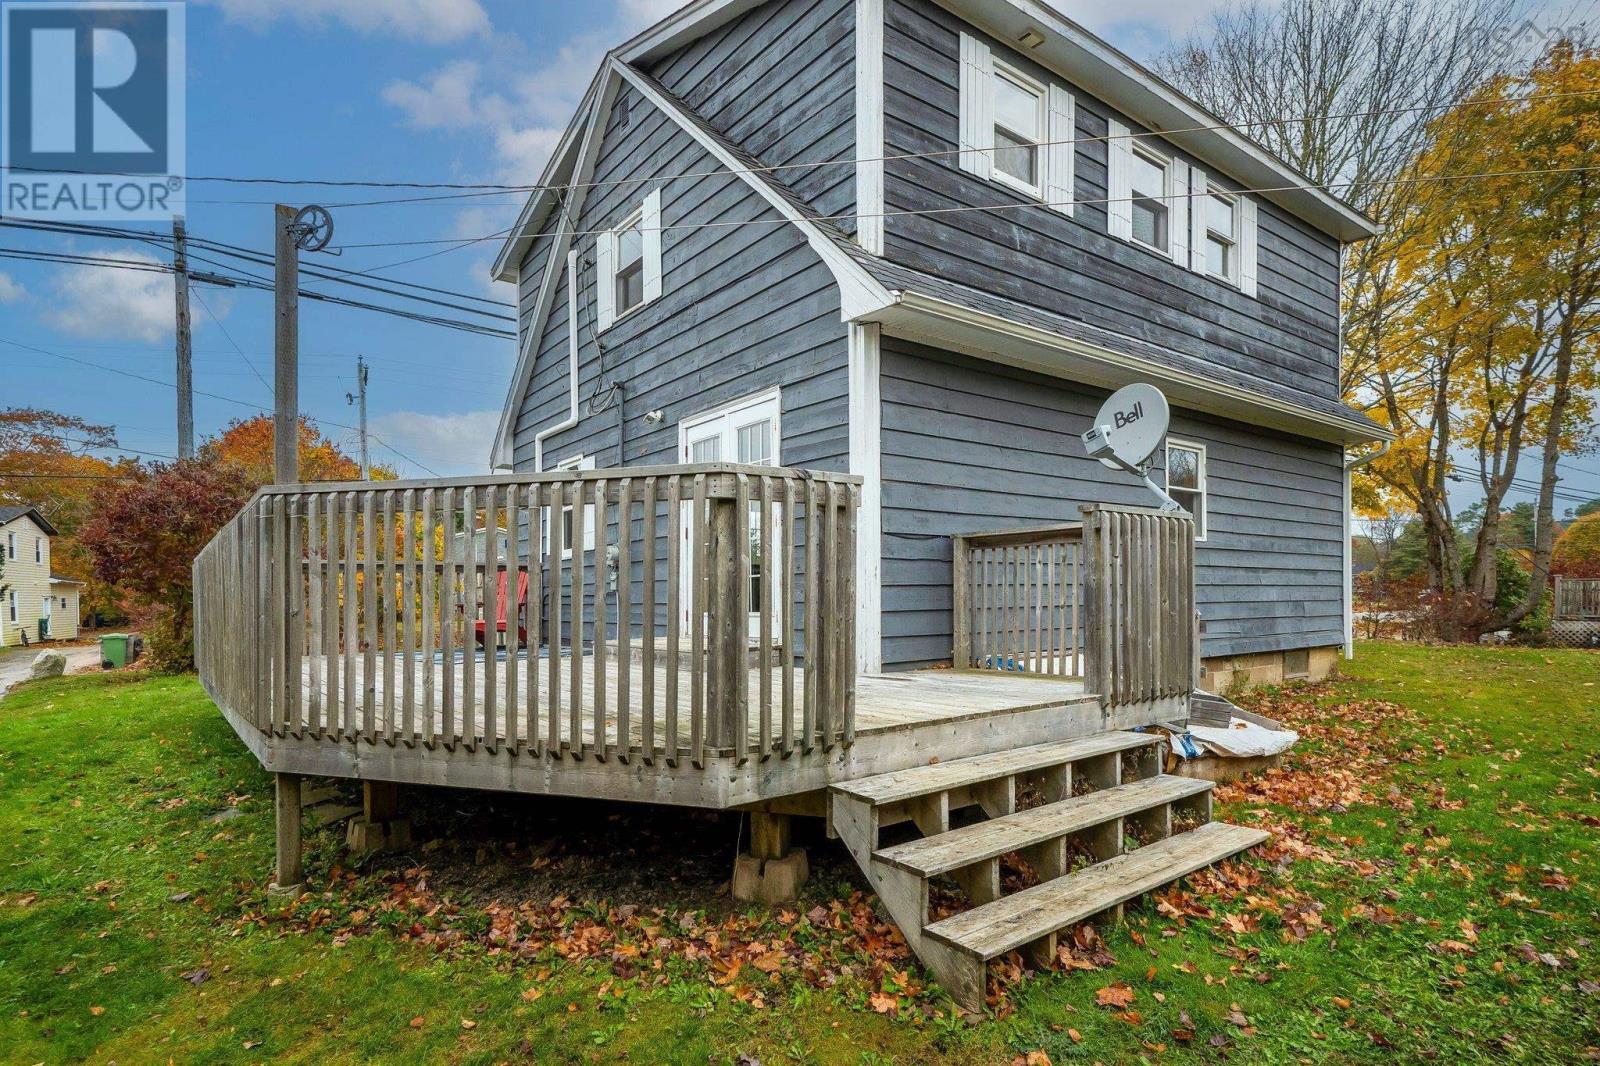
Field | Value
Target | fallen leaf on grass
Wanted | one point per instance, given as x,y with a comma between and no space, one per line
1114,995
884,1003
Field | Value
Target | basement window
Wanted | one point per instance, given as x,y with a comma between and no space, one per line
1186,481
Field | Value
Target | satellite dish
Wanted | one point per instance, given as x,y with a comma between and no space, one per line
1128,430
1134,421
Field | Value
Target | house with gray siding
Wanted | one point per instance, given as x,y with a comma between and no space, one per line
921,242
815,300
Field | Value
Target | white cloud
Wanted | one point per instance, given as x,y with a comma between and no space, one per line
451,443
11,289
432,21
129,305
641,13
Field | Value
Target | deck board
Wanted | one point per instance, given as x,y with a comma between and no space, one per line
884,702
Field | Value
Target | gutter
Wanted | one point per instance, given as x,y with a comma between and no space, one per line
572,366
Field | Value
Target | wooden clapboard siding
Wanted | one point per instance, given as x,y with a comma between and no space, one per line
969,445
1287,334
780,81
743,309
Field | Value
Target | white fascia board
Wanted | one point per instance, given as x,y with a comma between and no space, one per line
501,455
1104,72
860,293
1002,340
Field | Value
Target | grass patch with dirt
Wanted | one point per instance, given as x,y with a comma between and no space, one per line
1430,895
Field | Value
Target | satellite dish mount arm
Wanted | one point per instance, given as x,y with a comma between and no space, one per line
1140,472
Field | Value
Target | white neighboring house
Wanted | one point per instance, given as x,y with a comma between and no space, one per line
35,603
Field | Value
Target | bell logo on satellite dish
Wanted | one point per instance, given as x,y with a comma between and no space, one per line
1128,431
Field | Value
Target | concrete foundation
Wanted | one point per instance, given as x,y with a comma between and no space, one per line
1227,673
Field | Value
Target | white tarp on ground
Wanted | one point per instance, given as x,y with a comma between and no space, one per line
1242,739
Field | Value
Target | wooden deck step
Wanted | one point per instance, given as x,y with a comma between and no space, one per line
938,777
958,848
1014,921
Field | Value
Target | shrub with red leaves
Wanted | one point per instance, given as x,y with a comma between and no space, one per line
144,535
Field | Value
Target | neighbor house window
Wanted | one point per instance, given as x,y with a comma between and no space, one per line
1148,200
628,262
11,545
38,549
1222,237
1186,481
13,606
1019,121
1015,129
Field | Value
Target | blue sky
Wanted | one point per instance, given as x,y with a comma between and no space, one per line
409,90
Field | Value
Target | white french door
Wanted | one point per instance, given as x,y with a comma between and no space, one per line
745,431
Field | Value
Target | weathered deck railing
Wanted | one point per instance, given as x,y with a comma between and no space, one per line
668,612
1018,594
1139,606
1110,599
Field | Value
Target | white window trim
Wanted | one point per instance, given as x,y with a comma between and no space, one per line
1245,234
1041,123
647,216
572,462
11,545
1054,148
1167,165
686,426
13,595
1203,519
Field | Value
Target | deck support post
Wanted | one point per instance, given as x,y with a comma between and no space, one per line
288,879
727,639
380,827
771,871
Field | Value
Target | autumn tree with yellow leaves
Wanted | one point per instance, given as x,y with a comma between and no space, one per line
1481,350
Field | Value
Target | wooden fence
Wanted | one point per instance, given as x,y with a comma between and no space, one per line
1140,644
669,612
1577,599
1018,596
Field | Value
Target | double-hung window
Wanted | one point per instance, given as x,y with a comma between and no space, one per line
1015,128
1019,122
1221,245
1186,480
11,545
1149,196
38,549
628,262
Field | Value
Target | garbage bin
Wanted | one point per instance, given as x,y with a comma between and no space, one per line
113,651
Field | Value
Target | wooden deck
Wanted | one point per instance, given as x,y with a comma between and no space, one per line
883,701
333,626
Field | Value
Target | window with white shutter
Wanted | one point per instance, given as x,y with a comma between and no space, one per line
1222,233
1015,129
628,262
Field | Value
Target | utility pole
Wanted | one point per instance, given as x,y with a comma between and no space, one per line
360,398
286,347
180,289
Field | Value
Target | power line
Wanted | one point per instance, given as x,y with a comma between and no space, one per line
212,395
489,188
997,208
218,323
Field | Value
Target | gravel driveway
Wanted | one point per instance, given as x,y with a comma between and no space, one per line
16,662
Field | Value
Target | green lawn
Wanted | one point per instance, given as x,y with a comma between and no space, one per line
1431,895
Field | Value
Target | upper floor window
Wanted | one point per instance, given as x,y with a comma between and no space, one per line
1186,480
1149,194
38,549
628,262
1015,129
1221,245
1019,122
11,545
